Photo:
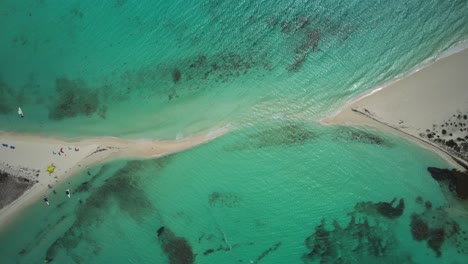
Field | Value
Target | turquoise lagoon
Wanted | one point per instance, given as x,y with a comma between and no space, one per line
253,195
268,192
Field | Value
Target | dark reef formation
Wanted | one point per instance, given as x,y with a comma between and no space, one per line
229,200
176,75
278,135
122,189
6,91
359,241
436,227
456,181
349,134
385,209
177,249
451,135
267,252
73,98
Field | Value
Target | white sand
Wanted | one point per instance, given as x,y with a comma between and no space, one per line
415,103
33,153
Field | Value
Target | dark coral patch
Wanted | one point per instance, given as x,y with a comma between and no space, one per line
436,239
176,75
120,188
224,199
435,227
7,96
283,135
361,136
358,240
419,228
73,98
267,252
385,209
278,135
177,249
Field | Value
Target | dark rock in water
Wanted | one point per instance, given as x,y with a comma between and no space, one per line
160,230
457,181
419,228
177,249
440,174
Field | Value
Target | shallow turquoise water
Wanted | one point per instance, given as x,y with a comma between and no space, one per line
167,68
259,188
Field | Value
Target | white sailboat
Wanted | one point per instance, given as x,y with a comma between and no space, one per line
68,193
20,112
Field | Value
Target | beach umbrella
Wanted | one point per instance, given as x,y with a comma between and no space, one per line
51,168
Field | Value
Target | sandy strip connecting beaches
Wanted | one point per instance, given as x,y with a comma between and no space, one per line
427,98
417,103
33,154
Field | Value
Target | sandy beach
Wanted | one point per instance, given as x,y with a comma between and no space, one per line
25,165
429,106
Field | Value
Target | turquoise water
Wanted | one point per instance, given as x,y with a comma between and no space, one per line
239,195
158,69
168,69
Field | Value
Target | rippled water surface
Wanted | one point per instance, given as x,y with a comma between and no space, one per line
273,191
163,68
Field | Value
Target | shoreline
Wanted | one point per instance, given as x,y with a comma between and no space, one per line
416,107
458,47
35,153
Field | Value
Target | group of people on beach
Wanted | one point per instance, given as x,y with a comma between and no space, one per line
46,200
67,191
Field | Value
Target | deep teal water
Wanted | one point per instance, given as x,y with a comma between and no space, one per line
260,188
162,68
168,69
